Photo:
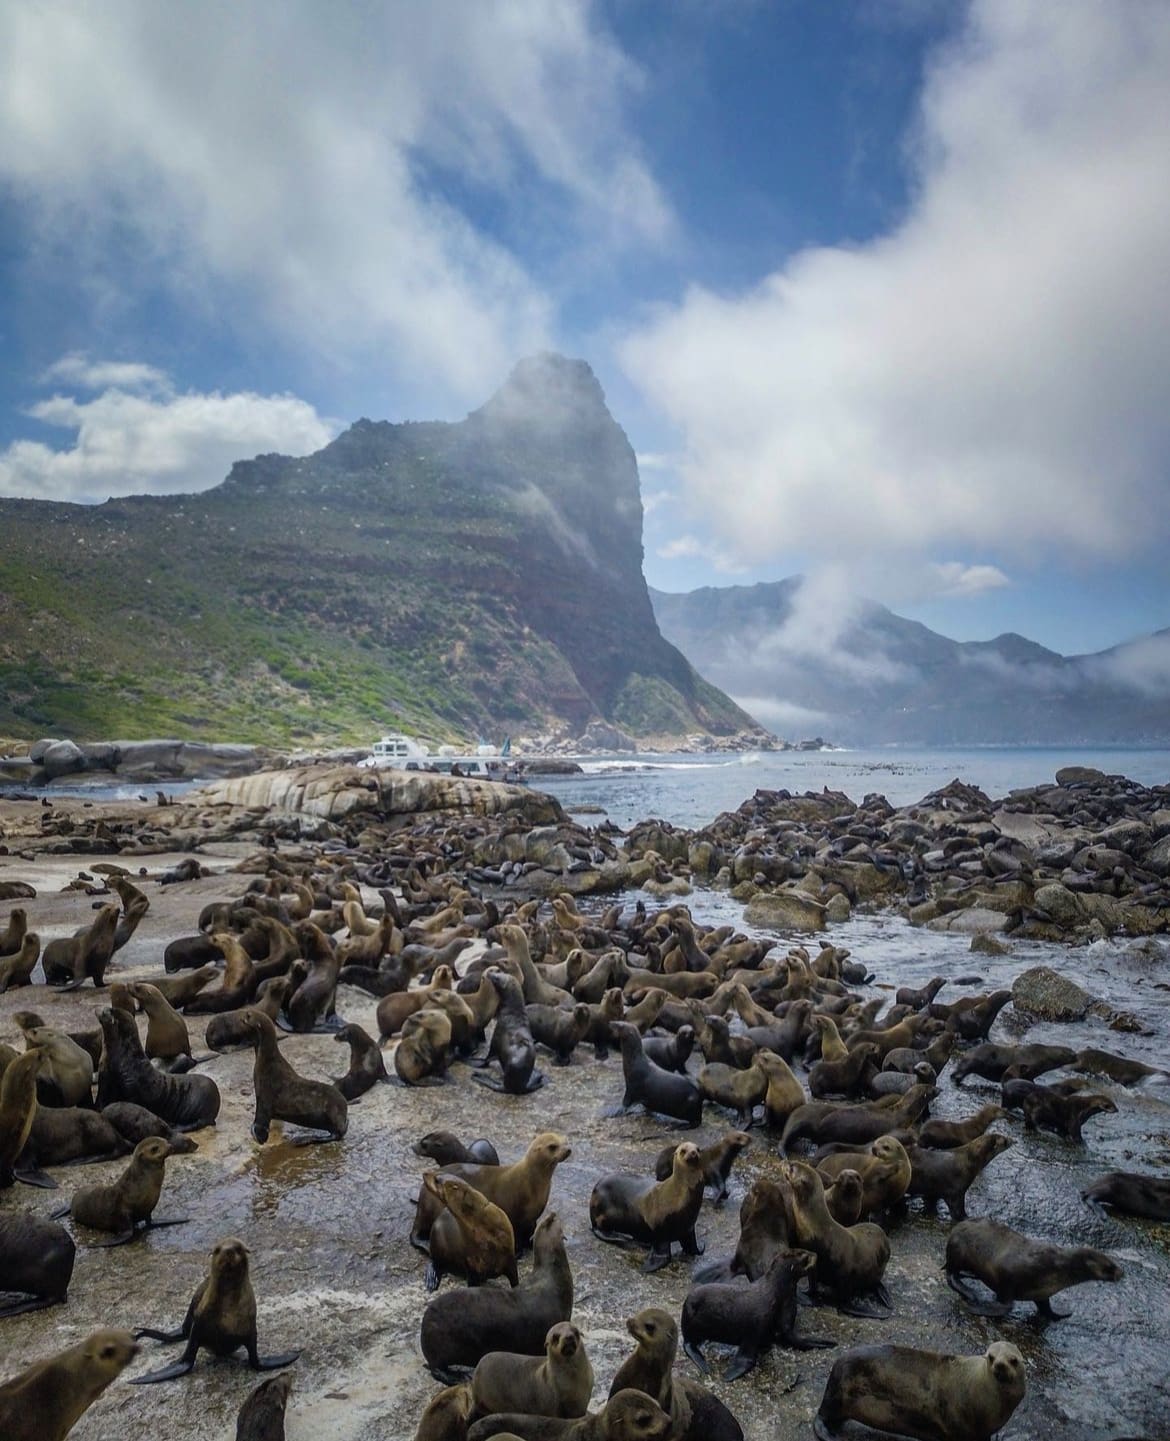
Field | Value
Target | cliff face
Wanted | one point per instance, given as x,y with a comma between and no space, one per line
885,679
466,578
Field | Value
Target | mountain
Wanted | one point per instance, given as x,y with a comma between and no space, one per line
871,677
456,579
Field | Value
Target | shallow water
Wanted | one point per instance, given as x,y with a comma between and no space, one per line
333,1272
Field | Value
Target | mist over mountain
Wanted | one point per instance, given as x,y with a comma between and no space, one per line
862,675
477,577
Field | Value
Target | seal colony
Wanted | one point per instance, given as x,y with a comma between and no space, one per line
834,1222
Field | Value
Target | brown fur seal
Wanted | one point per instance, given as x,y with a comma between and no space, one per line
512,1042
560,1384
65,1070
845,1198
716,1160
135,1123
847,1076
851,1260
784,1093
366,1066
393,1010
460,1327
166,1030
1017,1268
127,1204
991,1061
282,1094
221,1317
420,1057
739,1090
1104,1063
18,1105
186,1102
14,932
69,961
923,1394
655,1213
1131,1194
446,1149
695,1414
470,1236
180,990
310,1007
36,1260
520,1190
446,1415
61,1135
16,968
44,1402
749,1317
238,985
858,1123
946,1135
559,1029
227,1029
261,1417
948,1175
1046,1109
628,1416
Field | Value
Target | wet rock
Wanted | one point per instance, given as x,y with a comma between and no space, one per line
1059,903
786,910
985,944
703,858
1045,993
838,909
1079,776
62,758
973,921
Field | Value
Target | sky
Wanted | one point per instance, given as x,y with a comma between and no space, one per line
879,289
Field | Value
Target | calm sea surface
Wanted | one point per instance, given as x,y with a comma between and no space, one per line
691,791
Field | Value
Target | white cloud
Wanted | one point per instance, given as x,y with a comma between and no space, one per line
157,442
1141,665
77,369
325,166
653,500
683,547
993,375
783,717
957,579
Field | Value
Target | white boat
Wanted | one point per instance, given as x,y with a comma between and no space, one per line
403,752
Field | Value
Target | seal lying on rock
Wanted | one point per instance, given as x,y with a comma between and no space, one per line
1131,1194
220,1318
36,1260
1017,1268
924,1394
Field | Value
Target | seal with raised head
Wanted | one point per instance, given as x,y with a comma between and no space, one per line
559,1029
716,1159
470,1236
283,1094
45,1401
851,1260
69,961
927,1395
628,1416
129,1202
695,1414
512,1044
460,1327
125,1074
221,1318
749,1317
1017,1268
559,1384
948,1175
366,1066
654,1213
520,1190
166,1030
17,966
261,1417
36,1261
18,1106
665,1092
1132,1194
228,1029
884,1169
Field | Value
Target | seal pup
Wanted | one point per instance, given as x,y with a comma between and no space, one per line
446,1149
928,1395
69,961
695,1414
460,1327
129,1202
45,1401
655,1213
18,1106
1132,1194
749,1317
420,1057
1017,1268
628,1416
16,968
62,1135
948,1175
134,1123
221,1318
559,1384
366,1066
520,1190
446,1415
36,1260
470,1236
65,1072
282,1094
261,1416
166,1031
665,1092
558,1029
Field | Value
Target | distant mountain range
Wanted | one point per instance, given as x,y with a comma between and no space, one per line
877,678
449,579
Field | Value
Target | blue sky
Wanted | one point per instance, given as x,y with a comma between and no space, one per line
876,287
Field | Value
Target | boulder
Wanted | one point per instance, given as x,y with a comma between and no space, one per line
785,911
1045,993
985,944
62,758
1061,904
838,909
1157,858
1079,776
970,922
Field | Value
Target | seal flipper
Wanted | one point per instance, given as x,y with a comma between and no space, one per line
656,1260
1045,1311
156,1221
34,1303
33,1176
169,1337
741,1363
432,1276
270,1363
168,1373
59,1211
697,1357
119,1240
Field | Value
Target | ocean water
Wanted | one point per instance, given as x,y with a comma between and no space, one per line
692,790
